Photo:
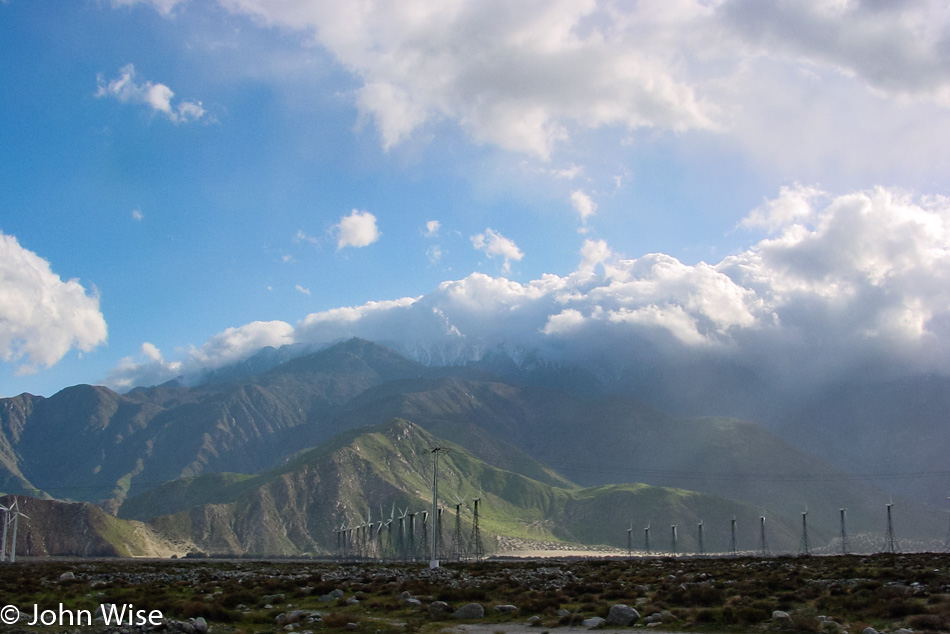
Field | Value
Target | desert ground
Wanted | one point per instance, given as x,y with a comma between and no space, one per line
830,594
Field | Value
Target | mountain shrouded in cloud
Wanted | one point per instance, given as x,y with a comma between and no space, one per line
849,285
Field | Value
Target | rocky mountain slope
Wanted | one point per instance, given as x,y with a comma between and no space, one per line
90,444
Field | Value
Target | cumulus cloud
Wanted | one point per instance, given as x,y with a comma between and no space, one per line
356,230
432,229
137,215
301,289
42,317
583,205
128,89
496,245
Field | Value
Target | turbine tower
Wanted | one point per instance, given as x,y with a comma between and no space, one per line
946,544
412,537
477,548
734,545
804,548
844,532
436,512
646,539
763,543
702,548
673,540
630,540
458,531
6,523
15,511
890,541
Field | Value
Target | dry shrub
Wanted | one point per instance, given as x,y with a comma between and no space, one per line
338,620
927,623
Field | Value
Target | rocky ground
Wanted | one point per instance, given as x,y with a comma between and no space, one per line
832,595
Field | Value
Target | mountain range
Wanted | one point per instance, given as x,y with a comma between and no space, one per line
274,455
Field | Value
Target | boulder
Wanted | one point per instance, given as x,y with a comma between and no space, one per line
622,615
200,625
594,623
469,611
506,609
67,576
781,619
439,609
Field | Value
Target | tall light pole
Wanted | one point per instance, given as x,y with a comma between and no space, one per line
434,552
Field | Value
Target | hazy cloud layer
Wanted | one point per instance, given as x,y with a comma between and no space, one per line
42,317
804,84
842,285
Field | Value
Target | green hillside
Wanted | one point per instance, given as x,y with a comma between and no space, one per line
385,471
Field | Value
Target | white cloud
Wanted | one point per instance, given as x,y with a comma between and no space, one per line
165,7
151,351
41,317
817,90
568,173
494,244
138,215
149,368
300,236
158,97
356,230
517,75
301,289
896,47
564,322
432,229
434,253
583,205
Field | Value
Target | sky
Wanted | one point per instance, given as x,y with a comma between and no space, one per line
185,181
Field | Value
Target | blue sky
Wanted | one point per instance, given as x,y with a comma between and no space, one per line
186,180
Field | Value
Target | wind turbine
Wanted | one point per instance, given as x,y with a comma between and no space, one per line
6,522
630,540
402,534
412,536
16,516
